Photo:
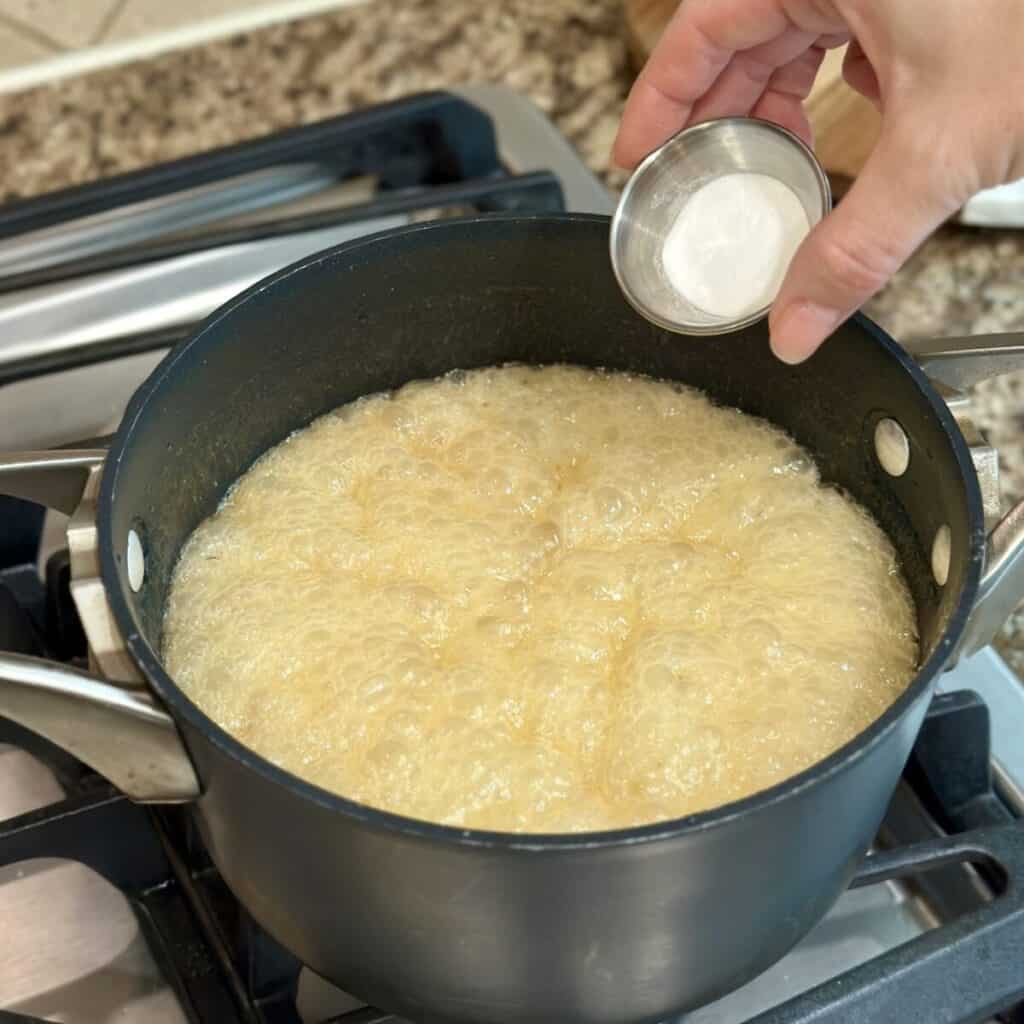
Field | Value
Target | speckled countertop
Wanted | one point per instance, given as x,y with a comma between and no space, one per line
567,55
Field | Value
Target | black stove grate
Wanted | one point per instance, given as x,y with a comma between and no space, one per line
225,970
431,154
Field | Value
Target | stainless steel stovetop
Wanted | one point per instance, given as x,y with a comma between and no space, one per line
72,946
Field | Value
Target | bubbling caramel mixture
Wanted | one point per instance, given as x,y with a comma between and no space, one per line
540,600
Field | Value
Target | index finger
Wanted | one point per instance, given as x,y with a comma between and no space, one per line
696,46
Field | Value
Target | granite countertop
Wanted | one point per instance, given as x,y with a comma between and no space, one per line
567,55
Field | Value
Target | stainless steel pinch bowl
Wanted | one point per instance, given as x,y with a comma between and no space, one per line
665,182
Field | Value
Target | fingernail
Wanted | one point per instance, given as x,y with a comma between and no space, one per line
616,162
800,328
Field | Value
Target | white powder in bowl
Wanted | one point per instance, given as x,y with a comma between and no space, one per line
731,243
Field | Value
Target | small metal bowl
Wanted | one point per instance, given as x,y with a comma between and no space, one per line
667,178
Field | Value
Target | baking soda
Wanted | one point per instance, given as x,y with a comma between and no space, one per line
732,242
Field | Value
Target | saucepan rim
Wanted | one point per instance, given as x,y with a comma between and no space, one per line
183,709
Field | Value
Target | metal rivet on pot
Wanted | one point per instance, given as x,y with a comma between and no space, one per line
942,550
892,446
135,561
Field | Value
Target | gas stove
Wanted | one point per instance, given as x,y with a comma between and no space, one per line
113,911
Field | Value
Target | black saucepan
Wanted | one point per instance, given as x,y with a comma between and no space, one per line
438,923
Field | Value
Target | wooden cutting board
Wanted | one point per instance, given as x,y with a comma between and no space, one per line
845,124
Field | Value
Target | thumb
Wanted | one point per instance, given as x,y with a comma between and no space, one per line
896,202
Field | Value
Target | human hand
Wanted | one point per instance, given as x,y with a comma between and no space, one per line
945,75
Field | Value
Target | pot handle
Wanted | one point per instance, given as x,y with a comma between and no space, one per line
959,363
68,480
122,734
55,478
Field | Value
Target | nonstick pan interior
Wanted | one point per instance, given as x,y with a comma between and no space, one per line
419,302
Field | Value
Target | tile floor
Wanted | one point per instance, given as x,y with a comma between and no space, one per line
38,37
